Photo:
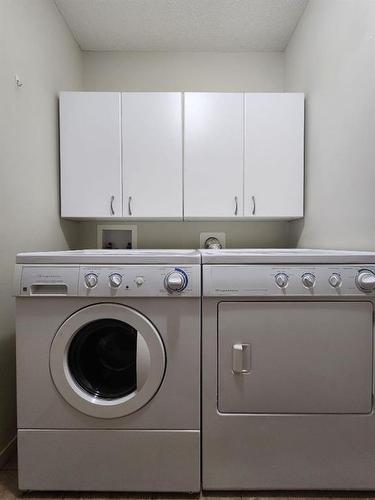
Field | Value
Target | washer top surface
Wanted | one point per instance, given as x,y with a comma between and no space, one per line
285,255
111,257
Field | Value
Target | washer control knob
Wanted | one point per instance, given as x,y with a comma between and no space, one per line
365,281
281,280
139,280
115,280
175,281
91,280
335,280
308,280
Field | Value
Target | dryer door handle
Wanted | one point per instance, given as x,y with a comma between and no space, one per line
241,358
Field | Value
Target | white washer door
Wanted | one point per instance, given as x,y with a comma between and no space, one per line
107,360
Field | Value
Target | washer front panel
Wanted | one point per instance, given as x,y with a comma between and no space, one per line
151,361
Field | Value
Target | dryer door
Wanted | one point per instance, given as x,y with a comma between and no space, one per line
295,357
107,360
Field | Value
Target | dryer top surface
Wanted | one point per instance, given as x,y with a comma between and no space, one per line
285,255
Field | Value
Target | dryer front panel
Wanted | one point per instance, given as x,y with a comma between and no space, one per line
295,357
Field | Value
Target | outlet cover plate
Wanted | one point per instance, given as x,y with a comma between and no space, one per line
204,236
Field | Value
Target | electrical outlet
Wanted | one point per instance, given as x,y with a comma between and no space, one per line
205,236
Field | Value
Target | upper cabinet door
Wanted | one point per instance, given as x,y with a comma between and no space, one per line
274,155
152,154
90,145
213,155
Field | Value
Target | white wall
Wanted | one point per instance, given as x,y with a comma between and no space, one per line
36,44
331,57
186,234
189,71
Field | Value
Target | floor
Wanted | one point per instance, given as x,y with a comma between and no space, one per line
9,491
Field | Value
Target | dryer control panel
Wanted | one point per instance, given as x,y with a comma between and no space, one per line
289,280
108,281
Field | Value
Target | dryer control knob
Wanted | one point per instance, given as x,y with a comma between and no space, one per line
308,280
365,281
176,281
335,280
115,280
281,280
91,280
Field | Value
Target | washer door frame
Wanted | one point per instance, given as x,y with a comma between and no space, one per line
151,362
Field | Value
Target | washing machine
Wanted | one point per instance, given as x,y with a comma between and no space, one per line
288,370
108,370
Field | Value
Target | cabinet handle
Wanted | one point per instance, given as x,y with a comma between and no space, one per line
112,209
254,205
241,358
130,206
236,205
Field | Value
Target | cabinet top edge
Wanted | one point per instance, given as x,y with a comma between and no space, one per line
62,92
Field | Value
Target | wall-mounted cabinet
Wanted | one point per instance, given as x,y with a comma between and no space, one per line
152,155
213,155
274,155
171,155
90,151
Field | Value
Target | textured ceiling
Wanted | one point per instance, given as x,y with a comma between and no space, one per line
182,25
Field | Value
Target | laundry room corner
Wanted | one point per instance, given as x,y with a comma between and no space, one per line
37,47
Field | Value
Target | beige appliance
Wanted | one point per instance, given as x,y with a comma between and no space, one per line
287,367
108,370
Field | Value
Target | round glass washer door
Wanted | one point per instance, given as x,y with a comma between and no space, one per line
107,360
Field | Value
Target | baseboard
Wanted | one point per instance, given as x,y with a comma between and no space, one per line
8,451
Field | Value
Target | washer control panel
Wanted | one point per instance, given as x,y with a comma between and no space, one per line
278,280
139,281
108,281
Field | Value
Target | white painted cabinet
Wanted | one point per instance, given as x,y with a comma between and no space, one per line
213,155
90,145
152,154
198,155
274,155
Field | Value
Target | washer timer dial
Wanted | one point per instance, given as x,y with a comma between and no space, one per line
176,281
